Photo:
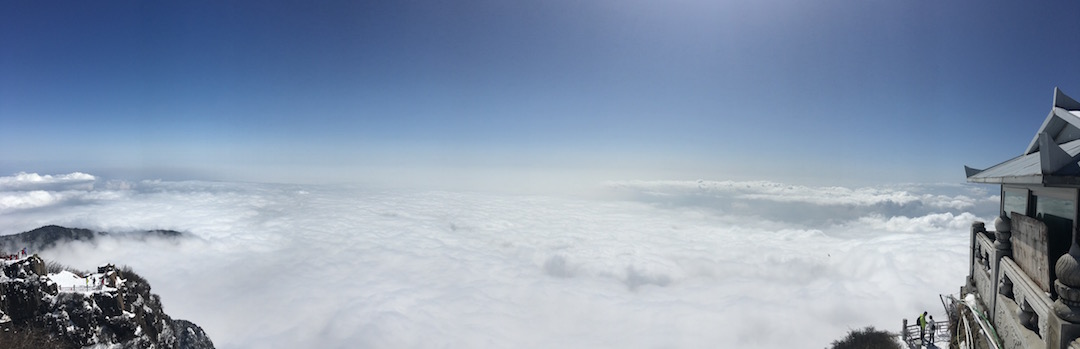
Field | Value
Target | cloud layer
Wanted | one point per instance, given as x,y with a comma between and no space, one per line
812,206
23,181
671,264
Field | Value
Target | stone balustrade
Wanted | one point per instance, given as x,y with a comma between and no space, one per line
1022,312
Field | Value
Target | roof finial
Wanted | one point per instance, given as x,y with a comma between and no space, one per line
1064,102
1051,157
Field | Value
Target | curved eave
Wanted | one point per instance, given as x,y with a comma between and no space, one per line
1009,179
1037,179
1049,181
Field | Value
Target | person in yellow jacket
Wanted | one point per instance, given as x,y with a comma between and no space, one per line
922,326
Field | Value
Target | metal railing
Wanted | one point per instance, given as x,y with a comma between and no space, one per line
90,288
941,333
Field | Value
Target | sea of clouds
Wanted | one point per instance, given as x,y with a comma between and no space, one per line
638,264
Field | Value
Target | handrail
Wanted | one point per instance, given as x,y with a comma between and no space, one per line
941,331
81,288
967,332
950,307
987,328
1025,288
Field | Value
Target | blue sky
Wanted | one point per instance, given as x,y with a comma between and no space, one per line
821,92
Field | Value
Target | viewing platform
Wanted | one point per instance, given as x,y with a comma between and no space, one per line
910,335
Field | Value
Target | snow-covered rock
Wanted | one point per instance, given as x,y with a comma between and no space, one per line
118,312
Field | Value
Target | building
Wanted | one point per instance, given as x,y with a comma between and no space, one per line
1024,277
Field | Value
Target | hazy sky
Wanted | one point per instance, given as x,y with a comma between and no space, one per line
799,91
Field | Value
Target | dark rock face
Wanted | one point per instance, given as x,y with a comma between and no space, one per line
22,299
191,335
25,268
24,289
128,315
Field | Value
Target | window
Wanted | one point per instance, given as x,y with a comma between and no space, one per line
1052,210
1014,200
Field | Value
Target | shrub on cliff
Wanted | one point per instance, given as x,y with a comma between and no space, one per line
867,338
53,267
129,274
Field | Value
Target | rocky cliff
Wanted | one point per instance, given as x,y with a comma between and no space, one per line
116,311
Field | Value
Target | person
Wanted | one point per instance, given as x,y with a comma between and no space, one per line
932,327
922,326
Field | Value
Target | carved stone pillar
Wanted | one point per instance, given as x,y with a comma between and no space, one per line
1002,241
1002,248
1067,285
